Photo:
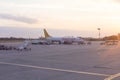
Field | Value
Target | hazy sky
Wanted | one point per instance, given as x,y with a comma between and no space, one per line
61,17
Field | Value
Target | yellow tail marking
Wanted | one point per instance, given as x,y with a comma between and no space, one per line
46,34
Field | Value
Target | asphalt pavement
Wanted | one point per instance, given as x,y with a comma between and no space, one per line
61,62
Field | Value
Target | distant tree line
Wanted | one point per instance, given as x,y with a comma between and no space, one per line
12,38
112,37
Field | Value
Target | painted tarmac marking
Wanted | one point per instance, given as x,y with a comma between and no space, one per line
55,69
112,76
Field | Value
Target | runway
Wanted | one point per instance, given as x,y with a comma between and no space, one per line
61,62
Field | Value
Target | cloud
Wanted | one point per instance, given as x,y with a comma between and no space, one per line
15,31
18,18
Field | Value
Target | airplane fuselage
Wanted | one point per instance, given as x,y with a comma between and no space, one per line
64,40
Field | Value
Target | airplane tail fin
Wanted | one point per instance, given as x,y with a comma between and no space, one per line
46,34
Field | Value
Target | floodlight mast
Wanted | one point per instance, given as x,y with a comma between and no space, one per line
99,32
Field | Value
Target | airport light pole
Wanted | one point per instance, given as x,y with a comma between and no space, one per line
99,32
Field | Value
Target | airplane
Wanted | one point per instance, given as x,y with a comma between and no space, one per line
62,40
39,41
23,46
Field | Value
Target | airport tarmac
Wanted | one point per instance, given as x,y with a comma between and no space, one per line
61,62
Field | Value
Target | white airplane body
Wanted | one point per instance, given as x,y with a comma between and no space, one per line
24,46
38,41
62,40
